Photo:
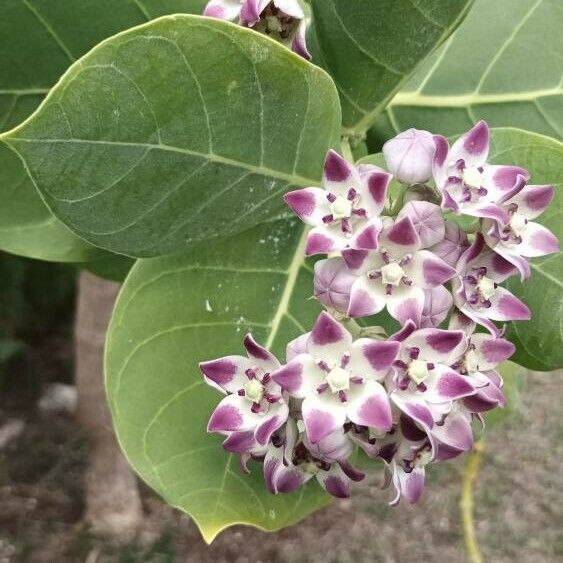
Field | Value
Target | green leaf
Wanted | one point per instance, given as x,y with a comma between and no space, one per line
176,311
503,65
538,341
43,38
109,266
176,131
514,377
371,47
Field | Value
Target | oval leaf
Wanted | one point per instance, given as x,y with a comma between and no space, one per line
371,47
176,131
538,342
176,311
503,65
44,38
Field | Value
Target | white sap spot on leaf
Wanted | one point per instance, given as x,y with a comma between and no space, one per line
259,53
208,307
233,85
262,241
272,514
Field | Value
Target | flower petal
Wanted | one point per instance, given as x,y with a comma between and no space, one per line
259,355
324,241
427,270
400,238
300,376
367,236
491,351
506,307
414,406
372,358
329,339
532,201
309,204
322,414
537,241
472,147
444,384
226,374
409,485
232,414
335,482
406,303
368,405
437,345
367,297
503,181
222,9
339,175
375,183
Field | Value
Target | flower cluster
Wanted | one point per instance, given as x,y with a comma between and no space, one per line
282,20
409,398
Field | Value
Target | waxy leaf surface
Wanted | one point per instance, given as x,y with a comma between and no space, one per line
177,131
370,47
503,65
40,40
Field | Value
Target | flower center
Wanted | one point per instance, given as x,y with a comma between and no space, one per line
472,177
254,391
338,379
423,457
392,274
341,208
518,223
486,287
471,362
418,370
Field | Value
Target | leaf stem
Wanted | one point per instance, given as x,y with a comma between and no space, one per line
466,502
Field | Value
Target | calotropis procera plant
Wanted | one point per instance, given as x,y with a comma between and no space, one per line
408,399
172,144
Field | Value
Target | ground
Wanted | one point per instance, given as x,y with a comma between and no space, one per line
518,498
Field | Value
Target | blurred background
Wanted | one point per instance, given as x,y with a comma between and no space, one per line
518,491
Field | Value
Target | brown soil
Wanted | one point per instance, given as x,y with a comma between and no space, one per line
519,504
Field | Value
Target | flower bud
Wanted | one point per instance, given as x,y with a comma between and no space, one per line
409,156
333,281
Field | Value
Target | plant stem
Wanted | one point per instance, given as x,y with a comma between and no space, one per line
466,502
346,149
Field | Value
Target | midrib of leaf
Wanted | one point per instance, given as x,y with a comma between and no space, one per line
291,178
472,98
292,272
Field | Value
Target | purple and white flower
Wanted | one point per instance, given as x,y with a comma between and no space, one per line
423,384
291,460
283,20
338,379
396,275
520,238
409,156
254,407
345,214
476,289
467,183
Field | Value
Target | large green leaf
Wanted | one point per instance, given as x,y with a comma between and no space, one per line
371,47
538,341
503,64
40,39
176,131
176,311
